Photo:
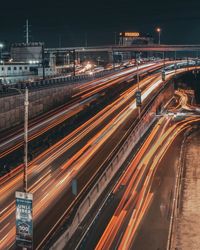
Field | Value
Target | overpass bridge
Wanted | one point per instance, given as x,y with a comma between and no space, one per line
133,48
114,53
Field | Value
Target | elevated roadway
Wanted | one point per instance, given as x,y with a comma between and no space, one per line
134,48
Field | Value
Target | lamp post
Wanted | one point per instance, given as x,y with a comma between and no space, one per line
175,64
26,103
1,47
159,32
138,91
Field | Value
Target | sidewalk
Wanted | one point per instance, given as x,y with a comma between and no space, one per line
186,232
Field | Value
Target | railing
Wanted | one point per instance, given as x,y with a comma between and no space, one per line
51,82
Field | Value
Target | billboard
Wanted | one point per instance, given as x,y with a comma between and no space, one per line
129,34
24,220
21,52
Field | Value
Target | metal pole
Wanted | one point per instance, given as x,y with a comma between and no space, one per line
74,62
27,32
159,37
113,58
138,86
164,60
26,103
43,64
138,77
175,65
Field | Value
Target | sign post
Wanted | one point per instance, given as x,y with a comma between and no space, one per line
24,220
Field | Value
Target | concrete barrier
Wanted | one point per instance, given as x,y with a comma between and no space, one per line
142,127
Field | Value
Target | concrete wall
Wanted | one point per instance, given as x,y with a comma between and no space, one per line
43,96
12,107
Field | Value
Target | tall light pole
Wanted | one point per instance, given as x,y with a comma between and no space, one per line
175,64
26,103
1,47
138,91
159,32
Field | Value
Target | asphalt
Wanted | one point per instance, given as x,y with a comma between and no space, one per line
153,231
187,221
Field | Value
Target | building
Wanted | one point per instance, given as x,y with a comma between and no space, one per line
131,38
13,72
26,63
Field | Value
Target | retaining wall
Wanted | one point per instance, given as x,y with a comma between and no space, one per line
43,96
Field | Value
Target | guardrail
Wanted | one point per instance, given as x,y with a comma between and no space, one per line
51,82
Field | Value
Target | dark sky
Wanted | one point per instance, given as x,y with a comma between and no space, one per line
72,19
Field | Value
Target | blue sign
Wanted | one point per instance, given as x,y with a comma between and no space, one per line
24,220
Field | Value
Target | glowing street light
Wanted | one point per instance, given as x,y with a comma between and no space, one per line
1,47
159,31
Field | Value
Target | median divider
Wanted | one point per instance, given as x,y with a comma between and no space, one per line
148,118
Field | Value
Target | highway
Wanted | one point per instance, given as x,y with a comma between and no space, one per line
86,92
134,191
78,155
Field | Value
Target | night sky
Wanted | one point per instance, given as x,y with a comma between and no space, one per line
72,21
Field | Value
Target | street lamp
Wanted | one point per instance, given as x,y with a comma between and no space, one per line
138,91
26,103
159,31
1,47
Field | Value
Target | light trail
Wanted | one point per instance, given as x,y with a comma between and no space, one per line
58,181
135,200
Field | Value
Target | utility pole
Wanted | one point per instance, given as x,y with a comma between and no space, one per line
26,103
175,65
27,31
43,64
159,31
163,71
113,58
74,62
138,92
